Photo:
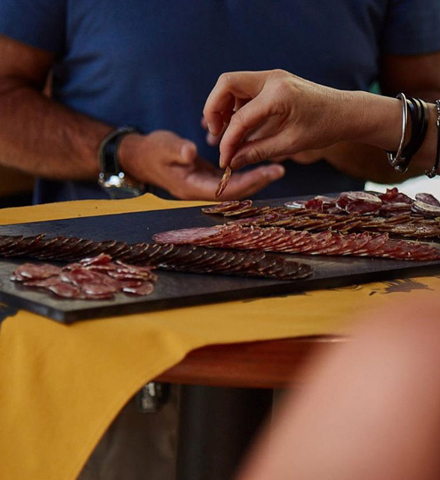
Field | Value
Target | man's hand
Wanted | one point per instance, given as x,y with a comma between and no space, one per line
166,160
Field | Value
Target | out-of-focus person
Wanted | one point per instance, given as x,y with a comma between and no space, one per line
370,408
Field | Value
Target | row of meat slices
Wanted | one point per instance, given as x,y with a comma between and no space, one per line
291,241
96,278
392,202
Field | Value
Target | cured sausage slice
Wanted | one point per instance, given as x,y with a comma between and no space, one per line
224,181
30,271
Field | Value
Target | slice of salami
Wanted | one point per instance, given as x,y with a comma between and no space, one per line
427,198
146,288
101,259
359,202
426,209
65,290
31,271
393,195
223,207
186,235
224,181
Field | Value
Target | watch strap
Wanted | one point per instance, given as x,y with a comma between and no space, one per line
108,150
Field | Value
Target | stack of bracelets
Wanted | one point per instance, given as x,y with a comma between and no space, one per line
418,112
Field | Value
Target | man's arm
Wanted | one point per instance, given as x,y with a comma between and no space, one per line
44,138
416,76
38,135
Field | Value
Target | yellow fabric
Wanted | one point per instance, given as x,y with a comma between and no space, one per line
61,386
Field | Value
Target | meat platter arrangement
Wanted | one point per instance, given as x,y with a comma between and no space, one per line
232,250
354,223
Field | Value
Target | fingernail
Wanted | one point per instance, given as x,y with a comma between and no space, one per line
222,161
238,163
209,127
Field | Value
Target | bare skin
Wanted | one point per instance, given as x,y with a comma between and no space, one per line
56,142
369,410
275,113
59,143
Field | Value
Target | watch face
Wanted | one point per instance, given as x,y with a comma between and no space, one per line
119,186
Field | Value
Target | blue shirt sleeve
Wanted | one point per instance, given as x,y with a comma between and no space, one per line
412,27
39,23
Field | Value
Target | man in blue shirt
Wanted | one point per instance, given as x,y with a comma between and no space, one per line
151,65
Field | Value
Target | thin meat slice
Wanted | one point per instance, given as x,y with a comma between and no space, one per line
186,235
359,202
146,288
31,271
224,181
220,208
427,198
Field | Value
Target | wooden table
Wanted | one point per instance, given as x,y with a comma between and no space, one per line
218,424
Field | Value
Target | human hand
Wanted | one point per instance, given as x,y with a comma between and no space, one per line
168,161
273,114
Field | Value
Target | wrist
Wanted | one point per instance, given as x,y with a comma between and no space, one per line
130,151
379,121
113,179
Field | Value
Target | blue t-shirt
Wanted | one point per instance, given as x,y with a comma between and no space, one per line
152,63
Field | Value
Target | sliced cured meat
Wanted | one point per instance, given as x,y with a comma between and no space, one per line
82,280
186,235
394,208
220,208
144,289
65,290
321,203
302,241
427,198
101,290
359,202
392,195
30,271
224,181
425,209
101,259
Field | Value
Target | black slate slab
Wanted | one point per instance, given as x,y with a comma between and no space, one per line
180,289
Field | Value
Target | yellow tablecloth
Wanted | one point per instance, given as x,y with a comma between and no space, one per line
61,386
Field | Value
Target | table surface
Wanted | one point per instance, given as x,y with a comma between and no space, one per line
80,376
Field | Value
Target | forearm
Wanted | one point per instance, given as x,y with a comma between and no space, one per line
366,162
44,138
374,126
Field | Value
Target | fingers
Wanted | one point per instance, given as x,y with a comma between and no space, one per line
243,123
188,152
203,185
247,184
275,147
229,88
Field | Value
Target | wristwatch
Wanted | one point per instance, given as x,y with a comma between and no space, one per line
111,178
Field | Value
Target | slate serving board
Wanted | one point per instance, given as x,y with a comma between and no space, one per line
175,289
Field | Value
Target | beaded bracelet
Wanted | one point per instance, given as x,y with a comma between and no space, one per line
434,170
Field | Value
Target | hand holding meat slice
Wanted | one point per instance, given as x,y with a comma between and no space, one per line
271,114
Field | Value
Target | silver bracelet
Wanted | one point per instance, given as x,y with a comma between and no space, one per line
395,159
434,170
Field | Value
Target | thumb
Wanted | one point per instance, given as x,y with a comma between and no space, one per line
188,151
246,184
